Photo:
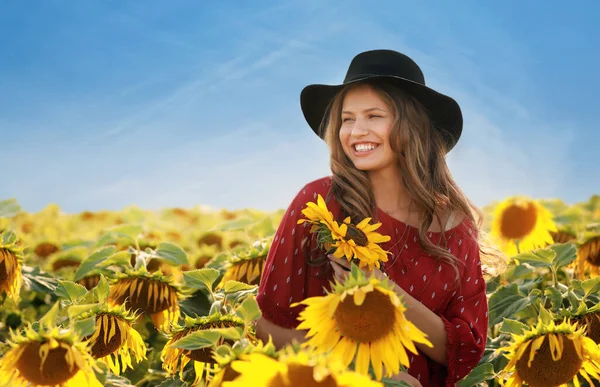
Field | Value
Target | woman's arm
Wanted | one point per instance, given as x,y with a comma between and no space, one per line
420,315
280,336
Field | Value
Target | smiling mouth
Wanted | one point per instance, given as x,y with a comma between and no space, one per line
365,147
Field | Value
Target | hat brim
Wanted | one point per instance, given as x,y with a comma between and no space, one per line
443,110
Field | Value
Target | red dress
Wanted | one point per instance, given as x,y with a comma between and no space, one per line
287,279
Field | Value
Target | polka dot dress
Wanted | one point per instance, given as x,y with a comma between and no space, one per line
293,272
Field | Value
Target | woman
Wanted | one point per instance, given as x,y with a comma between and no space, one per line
388,135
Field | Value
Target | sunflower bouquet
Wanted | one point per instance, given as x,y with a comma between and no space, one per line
358,243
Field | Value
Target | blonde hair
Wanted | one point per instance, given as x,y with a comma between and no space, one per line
421,149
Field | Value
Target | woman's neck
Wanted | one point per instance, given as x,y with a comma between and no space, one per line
390,194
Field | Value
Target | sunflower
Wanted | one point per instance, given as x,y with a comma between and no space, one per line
90,281
65,261
45,249
521,224
147,293
361,242
318,214
11,259
246,266
588,255
591,321
225,355
295,367
551,355
52,357
211,239
563,235
114,337
203,359
362,316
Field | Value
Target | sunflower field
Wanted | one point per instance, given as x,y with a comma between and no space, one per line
167,298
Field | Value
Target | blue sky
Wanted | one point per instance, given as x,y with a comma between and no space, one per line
105,104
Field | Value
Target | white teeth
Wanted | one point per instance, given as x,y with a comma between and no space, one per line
364,147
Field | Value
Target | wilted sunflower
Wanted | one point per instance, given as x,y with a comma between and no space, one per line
114,338
521,225
11,259
225,355
361,242
203,359
211,239
551,355
295,367
90,280
362,316
47,358
147,293
246,266
564,234
588,255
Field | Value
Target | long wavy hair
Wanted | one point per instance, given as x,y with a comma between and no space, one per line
423,171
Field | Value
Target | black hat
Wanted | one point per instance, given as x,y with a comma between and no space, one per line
396,68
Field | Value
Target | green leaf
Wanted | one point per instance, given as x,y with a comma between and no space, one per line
94,259
262,228
9,208
545,315
85,327
119,258
38,280
505,303
510,326
102,290
554,296
565,254
76,310
70,291
591,286
231,333
201,278
387,382
479,374
171,252
232,286
234,225
113,380
537,258
197,340
248,310
51,317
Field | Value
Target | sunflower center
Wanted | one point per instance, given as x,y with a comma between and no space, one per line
518,222
55,371
562,236
103,346
8,266
90,281
357,235
45,249
229,374
544,370
591,251
592,322
301,375
145,295
205,355
369,322
67,262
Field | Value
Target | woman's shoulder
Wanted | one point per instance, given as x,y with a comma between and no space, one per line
312,189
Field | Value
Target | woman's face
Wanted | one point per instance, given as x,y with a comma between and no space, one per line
365,131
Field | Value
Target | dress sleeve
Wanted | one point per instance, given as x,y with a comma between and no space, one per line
466,317
284,274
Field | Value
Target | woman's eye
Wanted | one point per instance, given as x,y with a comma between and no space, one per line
373,116
346,119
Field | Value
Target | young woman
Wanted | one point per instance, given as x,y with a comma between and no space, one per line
388,135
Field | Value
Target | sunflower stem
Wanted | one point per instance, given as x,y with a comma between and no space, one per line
554,277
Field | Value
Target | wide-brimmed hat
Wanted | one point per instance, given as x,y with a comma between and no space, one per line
395,68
